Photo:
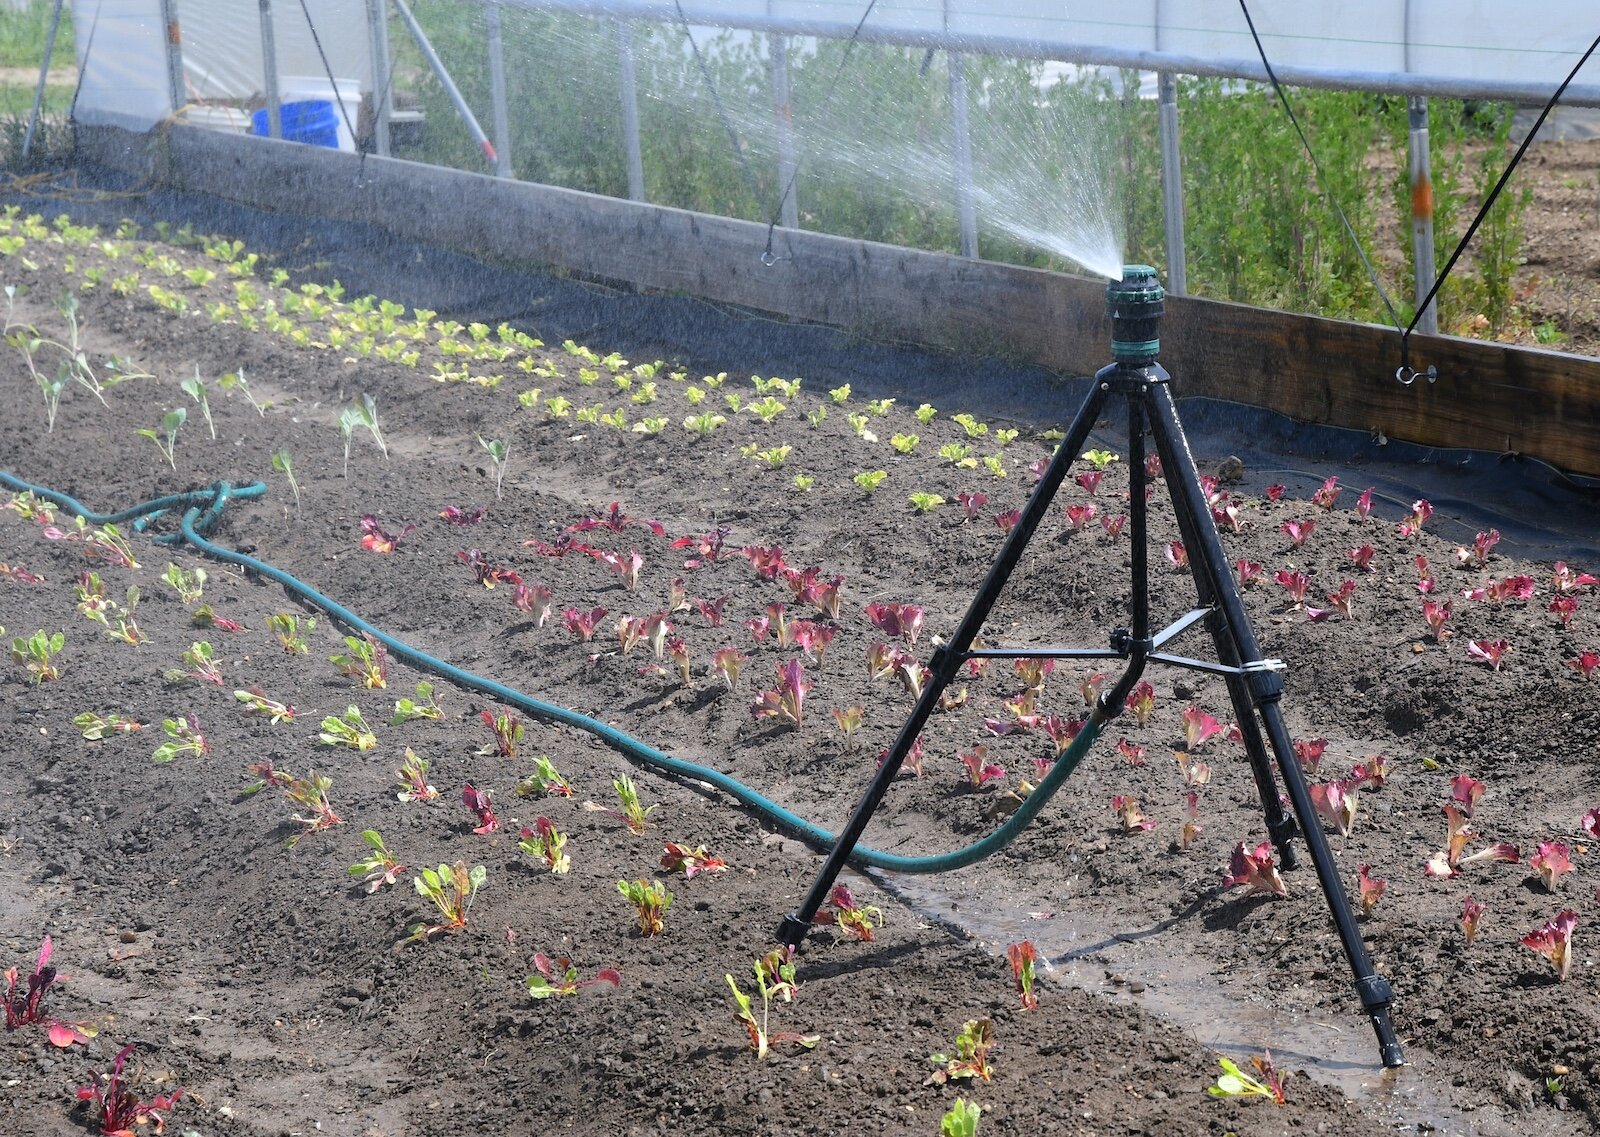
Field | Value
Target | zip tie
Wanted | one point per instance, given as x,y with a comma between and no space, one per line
1264,665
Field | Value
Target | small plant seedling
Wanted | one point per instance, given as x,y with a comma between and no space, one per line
1553,940
26,1007
379,868
283,462
547,843
869,480
166,437
840,395
196,389
961,1120
971,1057
37,655
187,583
236,379
349,729
184,736
413,775
507,729
545,779
775,979
498,452
1234,1082
256,700
116,1108
785,700
424,706
853,919
693,862
559,977
1022,957
481,803
925,502
631,813
366,661
94,727
452,889
287,629
650,900
199,659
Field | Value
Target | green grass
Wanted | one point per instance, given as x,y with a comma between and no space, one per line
17,100
22,36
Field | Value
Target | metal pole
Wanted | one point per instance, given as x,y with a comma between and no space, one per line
628,81
269,71
961,147
44,77
1172,185
1422,211
497,91
445,81
783,105
174,48
382,100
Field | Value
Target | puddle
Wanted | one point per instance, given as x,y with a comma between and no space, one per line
1141,964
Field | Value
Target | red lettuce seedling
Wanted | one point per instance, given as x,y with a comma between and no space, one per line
1006,519
534,599
452,889
1566,579
1336,804
481,803
1255,869
1327,496
1235,1083
413,775
811,638
857,920
1340,599
650,900
630,630
1553,940
632,814
1195,773
1141,701
1126,807
1062,730
374,538
1436,614
1152,467
767,561
897,620
1467,792
707,548
1309,751
547,843
1022,957
711,609
1191,819
1113,525
625,565
1132,751
1550,860
1298,531
1511,588
379,867
1482,543
1425,581
1364,504
25,1008
1248,571
559,977
563,545
1080,515
1177,556
778,621
1565,607
971,1057
1585,663
912,761
455,515
1228,516
485,573
824,595
979,772
117,1109
971,504
1489,651
849,720
582,624
1090,481
693,862
727,662
1294,583
1371,889
787,699
1471,914
1361,558
1590,822
1198,727
615,521
507,729
1412,523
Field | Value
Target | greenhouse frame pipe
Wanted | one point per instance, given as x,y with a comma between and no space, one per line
1172,185
172,41
437,66
382,100
497,90
44,77
269,72
628,84
783,110
1421,175
961,156
1337,79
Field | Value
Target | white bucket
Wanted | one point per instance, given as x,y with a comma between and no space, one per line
229,120
296,88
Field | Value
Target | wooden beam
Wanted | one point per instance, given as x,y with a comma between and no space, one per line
1488,396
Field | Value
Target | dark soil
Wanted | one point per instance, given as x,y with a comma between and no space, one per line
260,977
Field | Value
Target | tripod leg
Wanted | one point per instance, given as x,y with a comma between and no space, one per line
1209,563
946,663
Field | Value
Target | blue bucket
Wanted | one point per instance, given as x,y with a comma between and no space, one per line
313,122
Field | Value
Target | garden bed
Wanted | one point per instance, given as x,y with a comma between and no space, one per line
263,979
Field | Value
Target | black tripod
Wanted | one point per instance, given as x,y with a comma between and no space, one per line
1254,684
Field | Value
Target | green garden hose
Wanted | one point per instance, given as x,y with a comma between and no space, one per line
202,509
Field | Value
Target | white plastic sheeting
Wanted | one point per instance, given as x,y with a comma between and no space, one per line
123,59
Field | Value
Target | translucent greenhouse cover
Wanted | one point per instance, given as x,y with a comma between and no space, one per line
121,43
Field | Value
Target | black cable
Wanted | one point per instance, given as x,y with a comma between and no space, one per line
1349,229
327,68
1488,202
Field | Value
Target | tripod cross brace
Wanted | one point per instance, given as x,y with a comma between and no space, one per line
1254,684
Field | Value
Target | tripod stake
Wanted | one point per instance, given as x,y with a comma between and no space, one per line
1255,685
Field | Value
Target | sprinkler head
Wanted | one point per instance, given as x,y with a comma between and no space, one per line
1134,304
